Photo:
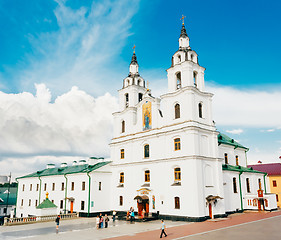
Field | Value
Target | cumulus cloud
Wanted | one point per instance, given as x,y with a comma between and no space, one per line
240,107
84,49
235,131
75,124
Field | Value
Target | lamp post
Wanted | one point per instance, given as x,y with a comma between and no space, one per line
8,194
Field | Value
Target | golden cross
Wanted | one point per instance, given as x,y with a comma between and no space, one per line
182,18
134,47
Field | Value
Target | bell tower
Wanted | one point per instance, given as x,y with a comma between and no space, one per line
185,69
133,86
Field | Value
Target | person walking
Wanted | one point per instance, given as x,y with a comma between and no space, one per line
114,215
106,220
163,228
102,219
57,223
132,217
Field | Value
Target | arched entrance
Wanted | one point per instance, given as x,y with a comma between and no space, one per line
143,205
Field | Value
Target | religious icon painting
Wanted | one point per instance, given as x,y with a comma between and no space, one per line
146,113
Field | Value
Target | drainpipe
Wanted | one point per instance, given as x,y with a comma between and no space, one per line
40,188
65,193
241,199
89,196
264,182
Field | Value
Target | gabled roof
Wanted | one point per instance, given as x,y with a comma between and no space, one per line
270,168
85,168
46,204
4,196
223,139
228,167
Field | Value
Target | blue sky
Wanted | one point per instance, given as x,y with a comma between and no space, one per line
60,44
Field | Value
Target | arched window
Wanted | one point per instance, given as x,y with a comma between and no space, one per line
234,185
259,182
121,179
147,176
122,153
179,58
177,172
237,160
195,78
127,100
225,158
191,56
123,126
177,111
200,110
146,151
140,96
177,203
177,144
121,200
178,75
248,185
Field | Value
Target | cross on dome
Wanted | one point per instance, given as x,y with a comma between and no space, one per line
182,19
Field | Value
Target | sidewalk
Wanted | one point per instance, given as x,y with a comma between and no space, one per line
179,232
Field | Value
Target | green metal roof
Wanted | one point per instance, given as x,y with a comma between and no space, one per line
228,167
4,196
85,168
46,204
223,139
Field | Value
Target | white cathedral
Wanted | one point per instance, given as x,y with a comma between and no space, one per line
167,157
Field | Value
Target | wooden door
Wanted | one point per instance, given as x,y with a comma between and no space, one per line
140,208
71,207
210,211
147,209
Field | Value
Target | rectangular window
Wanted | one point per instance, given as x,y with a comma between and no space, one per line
274,183
146,151
30,187
22,202
62,186
147,176
177,143
23,187
45,187
82,205
177,203
277,198
121,180
99,186
237,160
72,186
61,204
248,185
234,185
225,158
177,174
29,202
122,153
37,187
121,200
53,188
52,201
36,203
83,186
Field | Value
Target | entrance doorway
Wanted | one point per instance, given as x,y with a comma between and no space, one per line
210,211
143,205
71,206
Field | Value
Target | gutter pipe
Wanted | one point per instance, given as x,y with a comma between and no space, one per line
264,182
40,188
241,199
65,193
89,196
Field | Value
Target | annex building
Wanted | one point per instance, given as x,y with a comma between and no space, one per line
167,157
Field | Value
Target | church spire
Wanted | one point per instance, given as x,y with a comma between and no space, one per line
134,66
184,39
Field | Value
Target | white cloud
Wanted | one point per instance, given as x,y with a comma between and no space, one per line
84,49
74,124
235,107
235,131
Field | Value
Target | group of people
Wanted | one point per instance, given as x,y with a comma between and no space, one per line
131,214
102,221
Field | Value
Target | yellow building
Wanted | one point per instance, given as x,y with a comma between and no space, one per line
274,175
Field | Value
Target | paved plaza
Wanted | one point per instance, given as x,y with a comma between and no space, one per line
249,225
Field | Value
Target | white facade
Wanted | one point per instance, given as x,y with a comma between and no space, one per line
184,114
64,189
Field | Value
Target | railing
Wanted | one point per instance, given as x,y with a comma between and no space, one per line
34,219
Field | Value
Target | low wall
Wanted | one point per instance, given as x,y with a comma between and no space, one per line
35,219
